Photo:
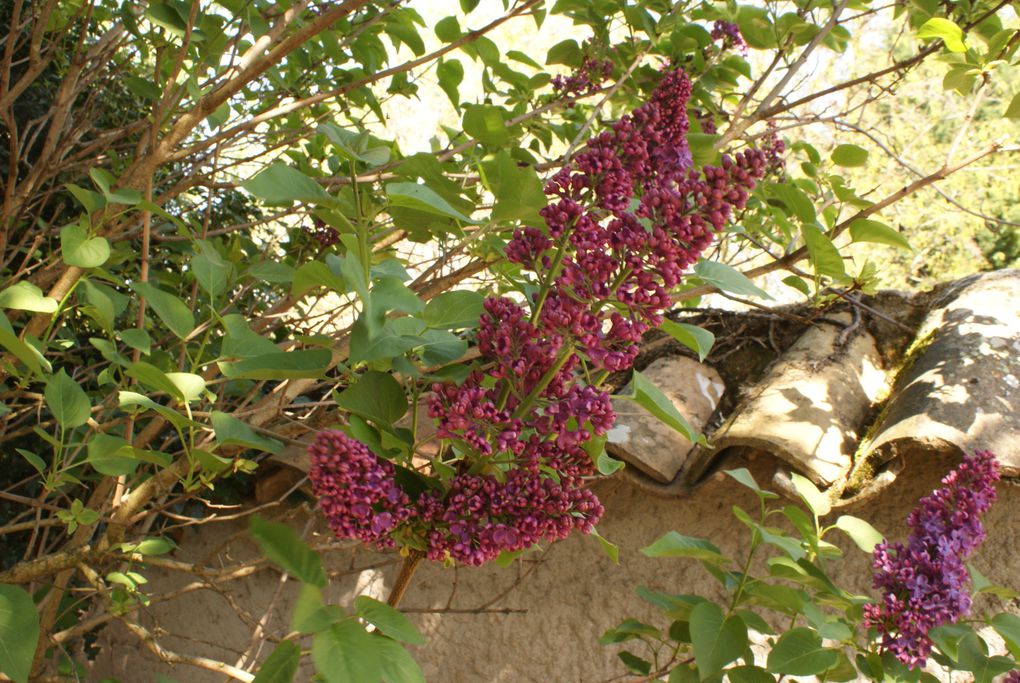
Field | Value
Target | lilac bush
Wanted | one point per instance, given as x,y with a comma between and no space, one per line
627,217
924,583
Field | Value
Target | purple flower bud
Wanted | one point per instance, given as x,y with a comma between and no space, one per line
924,583
356,490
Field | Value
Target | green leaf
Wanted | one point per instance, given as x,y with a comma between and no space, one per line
674,544
518,192
154,378
166,16
945,30
390,294
973,657
89,200
98,304
78,249
210,462
231,431
388,620
345,653
454,310
864,230
397,337
634,663
744,476
683,673
210,270
441,347
611,550
749,674
283,547
26,353
947,638
485,123
24,296
606,464
310,614
174,313
282,185
799,652
816,501
398,666
566,52
717,640
422,198
795,200
860,532
111,455
628,630
302,364
67,401
355,146
693,337
673,606
450,74
136,339
824,256
19,632
376,396
849,156
34,460
1008,626
281,665
105,180
157,545
728,279
651,398
1013,110
189,385
448,29
129,399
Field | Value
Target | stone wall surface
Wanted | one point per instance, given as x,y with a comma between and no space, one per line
538,620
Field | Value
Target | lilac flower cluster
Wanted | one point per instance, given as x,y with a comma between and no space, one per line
586,80
627,217
324,234
774,149
356,489
729,34
482,515
707,121
625,220
924,583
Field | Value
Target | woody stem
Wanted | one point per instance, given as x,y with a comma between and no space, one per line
407,569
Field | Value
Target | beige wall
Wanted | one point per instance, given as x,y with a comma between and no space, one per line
545,613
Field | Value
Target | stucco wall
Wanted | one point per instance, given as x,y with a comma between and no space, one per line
546,612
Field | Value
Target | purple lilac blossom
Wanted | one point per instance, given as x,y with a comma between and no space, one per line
586,80
356,489
324,234
627,217
774,149
729,34
924,583
625,220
